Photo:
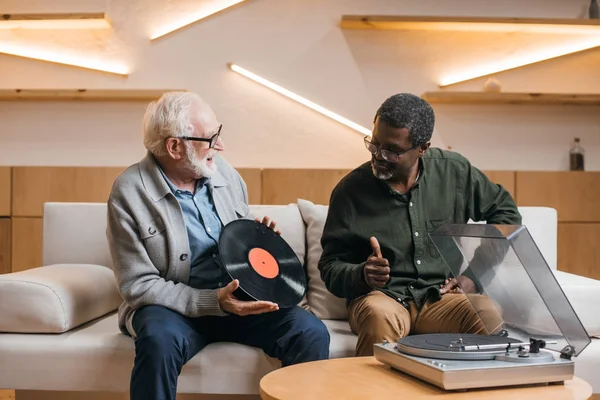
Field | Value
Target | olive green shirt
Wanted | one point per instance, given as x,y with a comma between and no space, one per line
448,190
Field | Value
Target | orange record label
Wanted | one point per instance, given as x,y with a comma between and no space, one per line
263,263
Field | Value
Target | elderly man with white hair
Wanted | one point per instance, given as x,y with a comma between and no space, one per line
165,215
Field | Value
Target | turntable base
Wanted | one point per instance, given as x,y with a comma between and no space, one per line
366,378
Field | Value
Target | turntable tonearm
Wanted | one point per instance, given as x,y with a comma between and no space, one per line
535,311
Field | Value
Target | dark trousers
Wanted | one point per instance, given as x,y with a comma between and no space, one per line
166,340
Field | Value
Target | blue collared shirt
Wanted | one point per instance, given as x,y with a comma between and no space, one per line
203,226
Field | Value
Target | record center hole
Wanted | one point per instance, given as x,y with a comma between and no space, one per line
263,263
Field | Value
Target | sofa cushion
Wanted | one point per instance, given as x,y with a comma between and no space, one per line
289,221
321,302
98,357
580,291
56,298
68,241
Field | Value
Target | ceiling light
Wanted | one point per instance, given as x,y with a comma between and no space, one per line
54,21
300,99
82,61
190,18
528,58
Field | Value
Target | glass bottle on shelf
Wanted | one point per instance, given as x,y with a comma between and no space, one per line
576,156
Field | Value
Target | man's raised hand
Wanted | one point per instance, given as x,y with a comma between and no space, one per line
377,268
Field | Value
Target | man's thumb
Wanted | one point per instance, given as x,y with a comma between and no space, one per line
232,286
375,247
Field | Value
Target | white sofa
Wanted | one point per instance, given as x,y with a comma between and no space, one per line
72,298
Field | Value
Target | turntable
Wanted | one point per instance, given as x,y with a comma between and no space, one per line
540,333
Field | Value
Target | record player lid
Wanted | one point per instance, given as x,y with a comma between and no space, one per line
508,267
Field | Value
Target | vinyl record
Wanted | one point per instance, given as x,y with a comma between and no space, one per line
265,265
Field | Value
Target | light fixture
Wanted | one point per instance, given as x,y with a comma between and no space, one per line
54,21
190,18
299,99
471,24
81,61
509,63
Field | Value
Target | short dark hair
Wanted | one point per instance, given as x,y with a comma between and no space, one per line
405,110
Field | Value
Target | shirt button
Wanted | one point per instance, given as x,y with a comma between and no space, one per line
151,230
183,257
208,229
410,204
214,256
416,233
419,262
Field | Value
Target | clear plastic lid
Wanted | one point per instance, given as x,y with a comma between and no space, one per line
507,267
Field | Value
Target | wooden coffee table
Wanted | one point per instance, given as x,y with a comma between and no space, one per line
366,378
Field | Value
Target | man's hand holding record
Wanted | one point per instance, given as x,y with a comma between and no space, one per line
229,303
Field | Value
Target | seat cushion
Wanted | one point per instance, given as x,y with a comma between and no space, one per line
343,341
98,357
56,298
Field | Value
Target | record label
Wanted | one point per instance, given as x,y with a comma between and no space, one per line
265,265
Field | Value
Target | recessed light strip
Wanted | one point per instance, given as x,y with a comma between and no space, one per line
520,61
299,99
194,17
66,59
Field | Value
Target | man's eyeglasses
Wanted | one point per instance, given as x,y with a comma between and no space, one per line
212,140
387,155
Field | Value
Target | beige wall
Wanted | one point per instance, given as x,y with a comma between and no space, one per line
298,44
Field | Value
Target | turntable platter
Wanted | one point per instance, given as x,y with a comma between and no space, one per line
456,346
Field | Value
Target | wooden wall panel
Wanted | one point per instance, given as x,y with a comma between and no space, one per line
26,243
578,250
284,186
253,179
574,194
33,186
504,178
5,245
5,189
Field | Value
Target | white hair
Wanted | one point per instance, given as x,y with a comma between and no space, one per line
167,117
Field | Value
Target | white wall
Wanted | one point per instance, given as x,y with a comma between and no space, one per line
298,44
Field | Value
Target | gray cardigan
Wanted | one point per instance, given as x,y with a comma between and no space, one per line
149,244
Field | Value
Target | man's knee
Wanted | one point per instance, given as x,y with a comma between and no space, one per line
489,314
378,314
311,329
157,340
307,339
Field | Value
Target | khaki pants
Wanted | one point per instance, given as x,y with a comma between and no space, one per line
376,316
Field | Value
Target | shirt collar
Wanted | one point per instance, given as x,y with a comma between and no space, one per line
174,189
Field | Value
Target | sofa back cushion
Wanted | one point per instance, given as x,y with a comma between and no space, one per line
75,233
321,302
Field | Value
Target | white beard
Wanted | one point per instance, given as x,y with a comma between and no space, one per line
199,166
381,175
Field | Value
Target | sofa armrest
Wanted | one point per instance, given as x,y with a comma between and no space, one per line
581,292
56,298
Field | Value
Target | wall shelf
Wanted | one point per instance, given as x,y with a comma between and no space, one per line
55,21
81,94
401,22
449,97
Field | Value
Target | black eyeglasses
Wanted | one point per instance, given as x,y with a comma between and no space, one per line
212,140
387,155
